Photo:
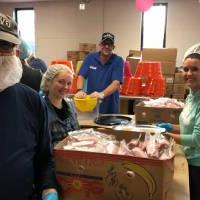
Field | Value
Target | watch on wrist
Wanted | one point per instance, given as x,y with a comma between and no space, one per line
79,89
102,95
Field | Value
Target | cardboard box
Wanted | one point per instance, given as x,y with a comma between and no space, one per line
87,47
133,63
179,88
123,106
83,54
72,55
167,57
78,55
99,176
168,67
180,97
75,56
178,78
164,54
135,53
169,78
150,115
168,89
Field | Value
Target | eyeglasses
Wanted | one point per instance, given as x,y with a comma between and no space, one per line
107,44
192,69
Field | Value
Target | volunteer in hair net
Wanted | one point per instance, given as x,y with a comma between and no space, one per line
188,133
56,84
26,167
104,73
27,55
193,49
30,76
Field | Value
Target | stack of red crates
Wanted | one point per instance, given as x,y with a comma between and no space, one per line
146,81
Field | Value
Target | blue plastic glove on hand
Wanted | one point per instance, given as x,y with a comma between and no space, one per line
168,127
50,196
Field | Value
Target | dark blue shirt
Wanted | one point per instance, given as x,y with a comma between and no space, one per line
25,151
60,126
100,76
38,63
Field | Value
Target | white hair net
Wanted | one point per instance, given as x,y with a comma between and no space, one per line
51,73
24,50
193,49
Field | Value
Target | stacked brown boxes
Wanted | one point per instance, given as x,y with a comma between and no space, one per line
87,47
84,49
73,56
179,89
167,57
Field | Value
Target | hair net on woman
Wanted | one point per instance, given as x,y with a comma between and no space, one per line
51,73
24,50
193,49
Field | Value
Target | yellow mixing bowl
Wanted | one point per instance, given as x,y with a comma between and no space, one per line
86,104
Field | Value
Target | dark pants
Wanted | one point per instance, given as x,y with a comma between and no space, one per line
194,180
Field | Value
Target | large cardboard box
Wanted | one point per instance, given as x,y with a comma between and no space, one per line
99,176
78,55
83,54
75,56
178,78
180,97
150,115
179,88
168,67
123,106
169,78
167,57
135,53
164,54
87,47
168,89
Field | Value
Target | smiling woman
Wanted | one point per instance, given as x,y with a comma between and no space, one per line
187,133
56,84
191,71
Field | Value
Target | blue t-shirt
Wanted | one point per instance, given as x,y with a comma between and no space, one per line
38,63
100,76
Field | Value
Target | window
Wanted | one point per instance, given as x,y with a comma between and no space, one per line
25,17
153,34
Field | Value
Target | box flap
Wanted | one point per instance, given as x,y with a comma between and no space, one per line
163,54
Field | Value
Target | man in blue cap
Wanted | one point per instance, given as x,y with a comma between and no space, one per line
104,72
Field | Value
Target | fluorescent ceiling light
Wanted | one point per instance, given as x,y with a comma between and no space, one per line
82,6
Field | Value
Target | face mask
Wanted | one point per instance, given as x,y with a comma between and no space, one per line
10,71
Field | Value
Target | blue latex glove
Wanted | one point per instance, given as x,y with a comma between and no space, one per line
50,196
168,127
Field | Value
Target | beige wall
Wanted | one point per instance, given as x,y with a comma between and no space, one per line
60,26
